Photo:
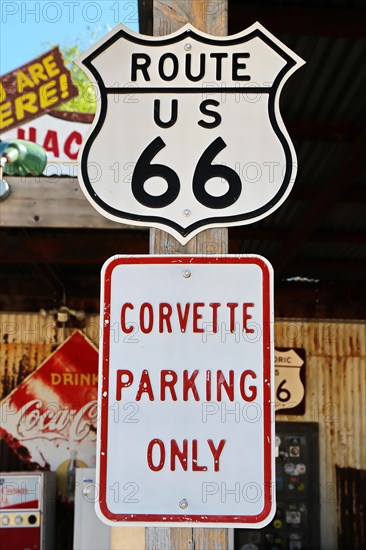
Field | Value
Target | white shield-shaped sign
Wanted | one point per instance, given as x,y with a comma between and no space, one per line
188,133
290,378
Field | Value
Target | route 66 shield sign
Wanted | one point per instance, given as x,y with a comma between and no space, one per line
188,133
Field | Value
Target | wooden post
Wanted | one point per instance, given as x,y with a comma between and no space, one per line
168,16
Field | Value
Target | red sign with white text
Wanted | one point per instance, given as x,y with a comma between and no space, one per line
52,414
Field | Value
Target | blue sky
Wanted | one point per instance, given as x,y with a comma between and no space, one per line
29,28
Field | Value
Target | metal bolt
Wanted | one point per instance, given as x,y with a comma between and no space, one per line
186,274
183,503
186,212
188,47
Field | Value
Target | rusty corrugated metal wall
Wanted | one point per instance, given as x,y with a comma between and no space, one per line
335,386
26,340
335,398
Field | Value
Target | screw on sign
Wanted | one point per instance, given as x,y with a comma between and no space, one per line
188,133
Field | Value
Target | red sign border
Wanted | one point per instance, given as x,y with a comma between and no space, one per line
268,418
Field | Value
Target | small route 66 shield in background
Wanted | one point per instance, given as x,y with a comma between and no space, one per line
188,133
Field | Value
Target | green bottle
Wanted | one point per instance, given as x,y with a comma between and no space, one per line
23,158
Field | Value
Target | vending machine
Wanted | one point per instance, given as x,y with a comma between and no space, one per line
296,524
27,510
89,532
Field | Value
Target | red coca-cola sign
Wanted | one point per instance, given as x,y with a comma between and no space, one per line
52,415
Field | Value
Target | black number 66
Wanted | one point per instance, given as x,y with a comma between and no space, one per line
204,171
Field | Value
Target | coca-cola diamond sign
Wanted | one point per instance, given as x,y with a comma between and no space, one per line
49,420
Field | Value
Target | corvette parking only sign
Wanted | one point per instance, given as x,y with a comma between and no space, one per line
188,133
186,392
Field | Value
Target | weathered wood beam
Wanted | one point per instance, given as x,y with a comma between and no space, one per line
306,21
60,203
50,202
211,17
145,8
